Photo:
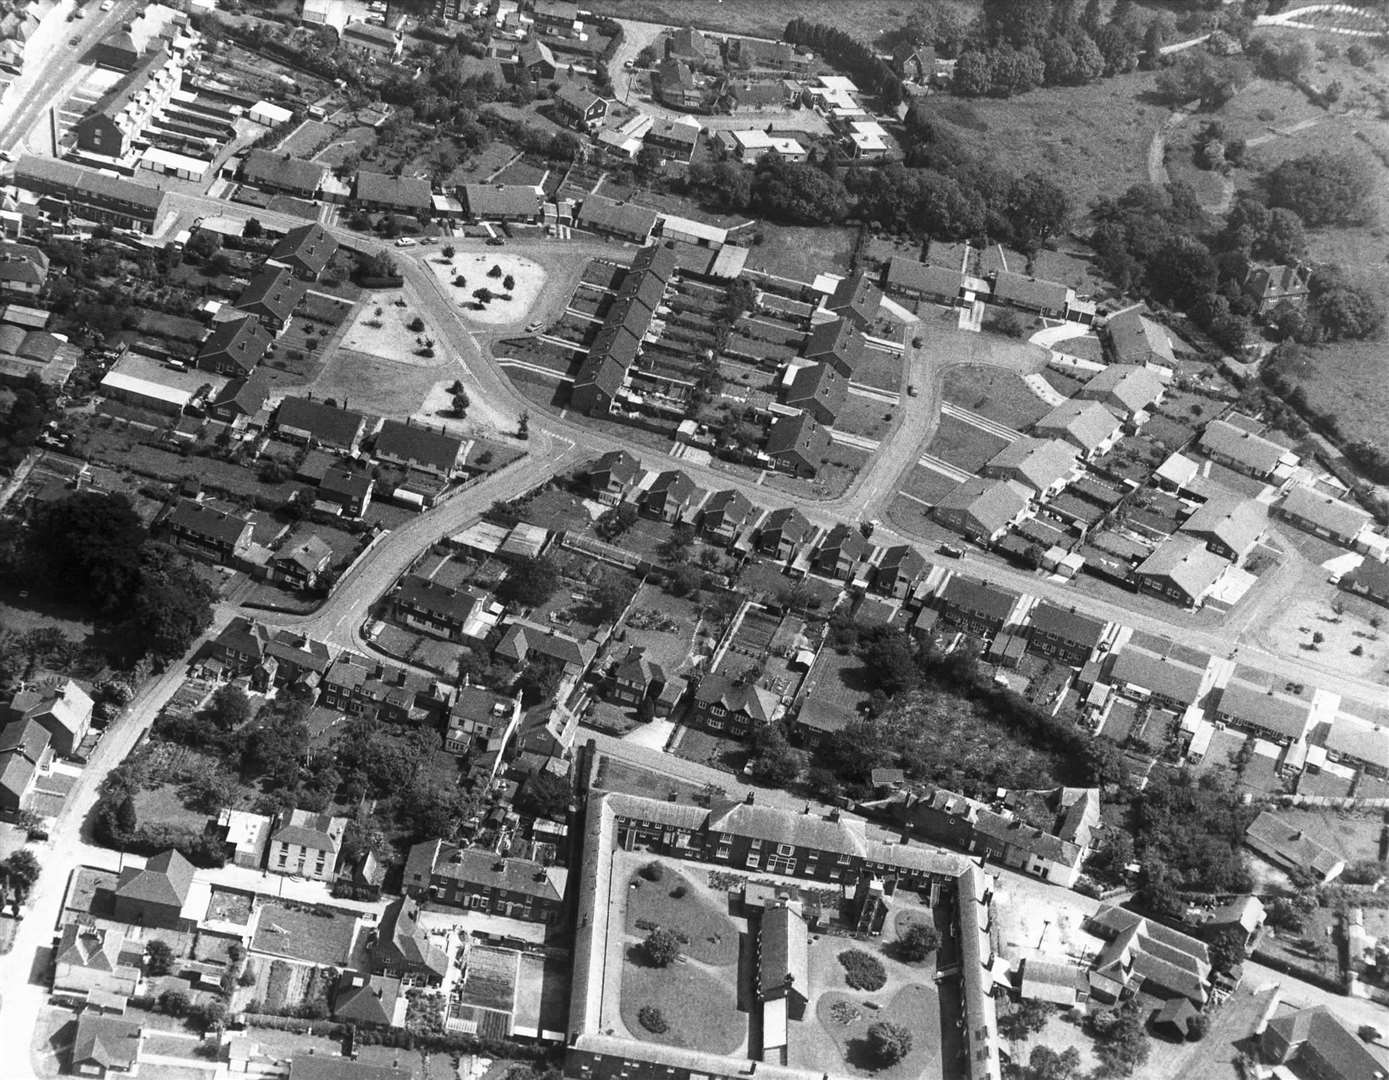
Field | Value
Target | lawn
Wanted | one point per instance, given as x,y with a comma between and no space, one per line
374,383
801,254
476,271
927,485
999,395
716,751
712,937
964,445
700,1008
163,804
542,994
914,1007
865,416
613,775
231,906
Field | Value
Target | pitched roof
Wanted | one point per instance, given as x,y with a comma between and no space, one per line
1086,423
326,423
604,215
1067,625
978,598
25,737
619,465
1253,451
912,276
1235,521
1339,1054
1186,563
274,291
1133,387
111,1042
787,522
165,880
1038,462
1032,292
818,382
366,1001
310,245
33,172
856,298
243,341
577,96
22,263
501,200
757,702
439,599
320,832
783,952
310,554
845,836
838,339
1337,516
1263,709
403,192
421,445
247,394
208,522
728,506
401,935
283,171
1165,677
1137,339
801,434
1270,834
476,866
992,503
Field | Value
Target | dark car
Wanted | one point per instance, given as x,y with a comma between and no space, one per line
952,550
495,241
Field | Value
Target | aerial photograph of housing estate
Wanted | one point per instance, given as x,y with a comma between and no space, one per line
694,539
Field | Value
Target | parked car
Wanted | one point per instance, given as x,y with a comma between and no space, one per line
107,5
954,551
404,241
495,241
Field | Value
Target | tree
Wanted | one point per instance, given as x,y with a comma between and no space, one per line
229,707
661,947
88,547
21,871
888,1043
253,230
530,583
171,605
174,1003
1199,75
539,681
545,795
1323,188
774,762
1036,209
919,942
1120,1041
159,958
1028,1018
1227,951
610,596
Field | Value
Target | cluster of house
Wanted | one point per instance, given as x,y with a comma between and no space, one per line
38,726
487,729
26,346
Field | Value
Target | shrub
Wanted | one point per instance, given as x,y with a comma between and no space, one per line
888,1043
652,1019
495,272
416,324
678,892
160,958
919,942
508,283
863,970
662,947
652,871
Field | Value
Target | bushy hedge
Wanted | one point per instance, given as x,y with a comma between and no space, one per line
863,970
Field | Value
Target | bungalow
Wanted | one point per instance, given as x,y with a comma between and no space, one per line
1370,579
306,844
1261,713
1127,389
503,202
317,423
397,194
306,251
720,704
621,220
481,880
105,1046
1136,340
798,444
369,39
782,533
300,565
1290,849
581,107
280,172
982,510
1182,570
1043,466
1065,634
736,96
413,447
816,388
1325,516
975,606
840,552
898,571
1087,425
1359,744
423,604
916,280
1230,525
613,476
671,496
234,347
725,514
64,711
1246,452
272,296
203,530
1046,298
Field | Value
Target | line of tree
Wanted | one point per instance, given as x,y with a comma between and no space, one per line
869,71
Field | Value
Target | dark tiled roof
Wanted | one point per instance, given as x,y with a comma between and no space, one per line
326,423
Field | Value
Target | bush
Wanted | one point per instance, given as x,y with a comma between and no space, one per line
652,871
863,970
652,1019
919,942
678,892
160,958
662,947
416,324
888,1043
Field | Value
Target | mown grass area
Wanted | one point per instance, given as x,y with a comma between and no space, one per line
700,1010
801,253
963,445
999,395
711,937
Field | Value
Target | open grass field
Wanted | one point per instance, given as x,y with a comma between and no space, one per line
700,1008
963,445
162,804
864,19
880,370
999,395
865,416
713,936
1351,380
375,384
927,485
801,253
1096,136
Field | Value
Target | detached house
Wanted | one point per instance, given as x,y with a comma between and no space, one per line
423,604
975,606
1137,340
317,423
105,1046
89,959
480,721
635,678
154,895
720,704
306,844
24,756
215,534
1246,452
1320,1045
23,268
420,448
982,510
1325,516
1043,466
725,514
1127,389
1270,286
401,948
300,565
63,711
613,476
581,107
1086,425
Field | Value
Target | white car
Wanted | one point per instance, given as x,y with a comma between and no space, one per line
107,5
405,241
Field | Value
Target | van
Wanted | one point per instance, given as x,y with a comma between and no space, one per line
177,365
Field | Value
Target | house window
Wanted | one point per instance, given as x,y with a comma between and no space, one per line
785,849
